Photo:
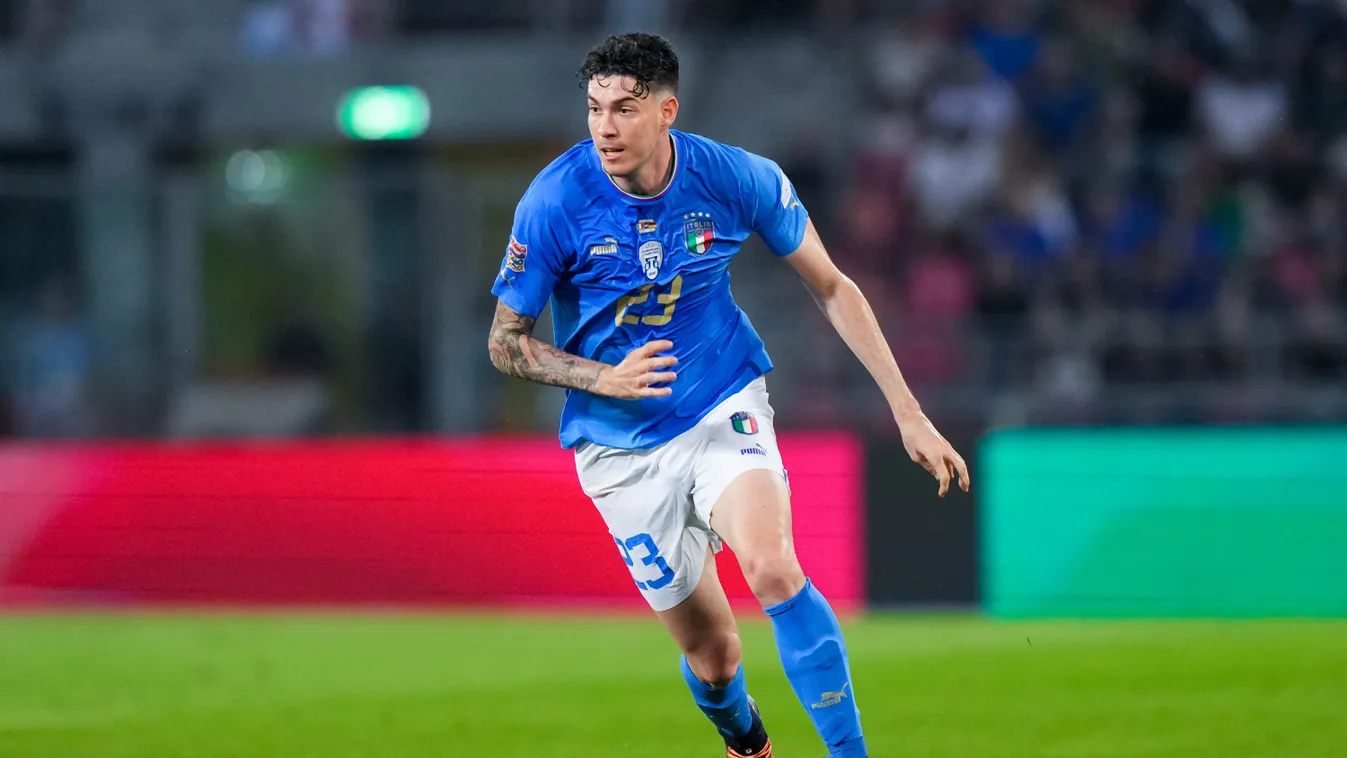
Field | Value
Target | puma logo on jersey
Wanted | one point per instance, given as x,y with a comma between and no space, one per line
607,247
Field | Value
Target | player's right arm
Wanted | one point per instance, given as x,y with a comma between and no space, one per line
534,261
515,351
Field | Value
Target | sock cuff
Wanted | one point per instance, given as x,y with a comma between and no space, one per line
785,605
698,684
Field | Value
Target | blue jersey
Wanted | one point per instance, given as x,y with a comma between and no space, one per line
622,270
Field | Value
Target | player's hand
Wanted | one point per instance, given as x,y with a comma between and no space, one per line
631,379
932,451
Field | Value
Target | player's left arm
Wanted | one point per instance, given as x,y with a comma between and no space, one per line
775,213
850,314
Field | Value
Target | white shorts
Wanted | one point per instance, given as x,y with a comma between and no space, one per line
657,502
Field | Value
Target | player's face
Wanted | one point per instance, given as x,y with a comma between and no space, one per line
627,129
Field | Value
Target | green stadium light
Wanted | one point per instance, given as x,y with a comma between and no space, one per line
384,113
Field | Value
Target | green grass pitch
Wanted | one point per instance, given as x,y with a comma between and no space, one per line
375,686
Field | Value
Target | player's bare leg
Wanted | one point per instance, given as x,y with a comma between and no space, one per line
753,517
704,628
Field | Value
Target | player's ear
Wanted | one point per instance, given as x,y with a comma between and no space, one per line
668,110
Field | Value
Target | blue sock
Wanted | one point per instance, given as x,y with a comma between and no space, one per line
814,656
727,706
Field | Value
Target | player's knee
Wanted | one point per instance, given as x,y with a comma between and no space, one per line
716,660
773,579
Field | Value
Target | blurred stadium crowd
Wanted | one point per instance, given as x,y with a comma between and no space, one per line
1096,211
1120,194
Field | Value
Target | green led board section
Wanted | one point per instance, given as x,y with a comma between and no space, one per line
384,113
1164,523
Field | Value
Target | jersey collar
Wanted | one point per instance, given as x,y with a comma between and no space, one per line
673,177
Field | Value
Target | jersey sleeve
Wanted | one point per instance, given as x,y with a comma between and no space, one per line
775,212
534,260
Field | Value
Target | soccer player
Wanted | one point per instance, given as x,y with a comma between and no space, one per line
630,235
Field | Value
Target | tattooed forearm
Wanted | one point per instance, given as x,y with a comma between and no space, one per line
516,352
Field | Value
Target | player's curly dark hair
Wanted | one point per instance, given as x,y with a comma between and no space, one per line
647,58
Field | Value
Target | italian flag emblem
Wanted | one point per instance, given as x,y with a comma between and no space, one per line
700,232
744,423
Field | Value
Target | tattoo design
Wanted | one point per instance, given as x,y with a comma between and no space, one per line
516,352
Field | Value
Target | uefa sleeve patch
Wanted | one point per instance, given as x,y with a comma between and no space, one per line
787,191
744,423
515,254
